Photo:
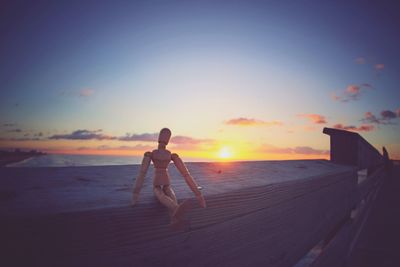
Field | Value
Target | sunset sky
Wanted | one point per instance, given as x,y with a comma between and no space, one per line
242,80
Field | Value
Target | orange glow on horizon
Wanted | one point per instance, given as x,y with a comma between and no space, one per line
222,155
233,150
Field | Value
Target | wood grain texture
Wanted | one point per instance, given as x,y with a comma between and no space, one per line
252,218
335,252
271,225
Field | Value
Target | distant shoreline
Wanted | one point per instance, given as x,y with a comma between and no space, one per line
9,157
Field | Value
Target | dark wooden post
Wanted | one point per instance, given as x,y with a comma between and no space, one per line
351,149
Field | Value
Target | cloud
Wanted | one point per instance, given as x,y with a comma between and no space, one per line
9,124
388,114
83,148
306,150
19,139
367,85
379,66
145,137
177,139
83,93
371,118
14,131
362,128
351,93
386,117
180,139
181,142
302,150
86,92
251,122
83,135
360,60
138,147
314,118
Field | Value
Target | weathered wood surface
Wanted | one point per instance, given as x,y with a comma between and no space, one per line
378,243
339,248
369,184
335,252
251,218
41,191
352,149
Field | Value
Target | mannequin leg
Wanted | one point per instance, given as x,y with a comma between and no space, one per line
167,197
169,192
164,199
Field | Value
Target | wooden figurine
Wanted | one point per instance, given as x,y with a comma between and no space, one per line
162,189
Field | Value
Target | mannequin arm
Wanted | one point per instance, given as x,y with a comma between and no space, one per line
188,179
140,179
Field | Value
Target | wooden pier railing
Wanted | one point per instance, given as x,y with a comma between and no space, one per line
351,149
252,222
274,213
270,214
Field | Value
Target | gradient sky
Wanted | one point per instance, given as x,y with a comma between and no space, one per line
259,79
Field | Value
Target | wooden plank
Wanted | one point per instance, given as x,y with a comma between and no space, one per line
363,211
243,195
335,252
369,184
271,228
43,191
352,149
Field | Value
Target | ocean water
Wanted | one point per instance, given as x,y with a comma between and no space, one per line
58,160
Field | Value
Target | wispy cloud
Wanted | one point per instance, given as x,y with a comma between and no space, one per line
379,69
388,114
302,150
181,142
25,138
379,66
14,131
386,117
362,128
371,118
180,139
145,137
138,147
83,135
9,124
86,92
314,118
83,93
360,60
252,122
351,93
367,85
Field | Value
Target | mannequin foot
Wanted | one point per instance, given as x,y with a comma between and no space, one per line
180,211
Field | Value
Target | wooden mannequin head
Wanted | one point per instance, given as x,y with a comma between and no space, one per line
163,138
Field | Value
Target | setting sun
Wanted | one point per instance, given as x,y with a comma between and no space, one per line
225,153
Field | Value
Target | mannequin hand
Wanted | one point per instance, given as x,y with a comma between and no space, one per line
202,201
135,198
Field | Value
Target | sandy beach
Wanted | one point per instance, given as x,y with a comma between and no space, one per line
81,216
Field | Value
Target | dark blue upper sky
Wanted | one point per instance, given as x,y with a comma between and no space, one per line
271,60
